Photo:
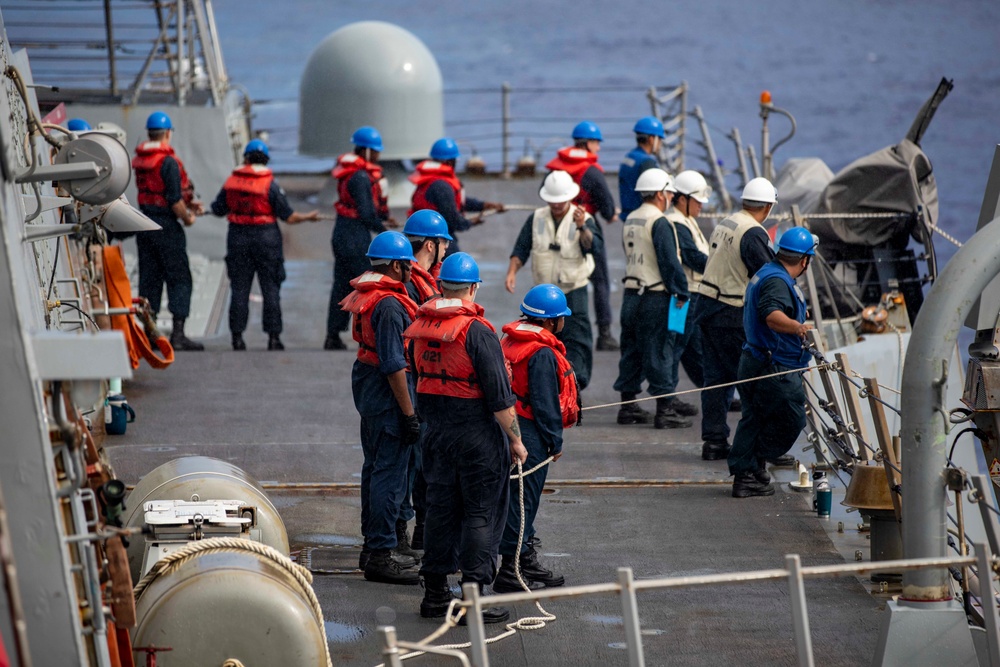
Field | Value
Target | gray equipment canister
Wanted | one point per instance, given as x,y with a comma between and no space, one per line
208,479
230,604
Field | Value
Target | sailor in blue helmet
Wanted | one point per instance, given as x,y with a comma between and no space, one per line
547,402
78,125
253,202
561,239
654,283
738,247
439,189
580,162
166,196
472,436
649,137
362,209
774,316
383,396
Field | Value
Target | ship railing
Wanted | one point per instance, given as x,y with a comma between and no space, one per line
627,588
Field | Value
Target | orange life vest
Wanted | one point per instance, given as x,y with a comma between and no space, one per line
347,165
424,282
370,288
247,195
427,173
575,162
443,366
520,344
149,157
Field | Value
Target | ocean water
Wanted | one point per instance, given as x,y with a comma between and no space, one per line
853,72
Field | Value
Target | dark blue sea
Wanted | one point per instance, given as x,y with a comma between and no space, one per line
854,72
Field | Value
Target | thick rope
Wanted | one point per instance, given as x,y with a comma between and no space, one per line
178,558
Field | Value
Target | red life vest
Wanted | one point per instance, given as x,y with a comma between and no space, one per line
575,162
424,282
443,366
521,343
149,157
427,173
370,288
247,195
347,165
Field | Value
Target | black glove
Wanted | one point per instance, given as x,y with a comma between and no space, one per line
411,429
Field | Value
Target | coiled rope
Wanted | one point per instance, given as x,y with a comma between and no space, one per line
178,558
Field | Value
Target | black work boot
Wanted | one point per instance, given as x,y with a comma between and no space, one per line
667,417
334,343
736,405
274,342
713,451
238,342
179,341
684,409
404,561
437,596
783,461
631,413
605,341
382,567
761,474
746,485
490,614
403,546
417,543
533,571
507,582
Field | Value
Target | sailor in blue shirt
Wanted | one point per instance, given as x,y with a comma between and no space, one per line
648,138
774,317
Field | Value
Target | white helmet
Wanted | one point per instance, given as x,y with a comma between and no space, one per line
654,180
694,185
760,189
558,187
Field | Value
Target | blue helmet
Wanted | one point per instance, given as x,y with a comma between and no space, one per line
78,125
649,125
798,240
159,121
459,268
390,245
367,137
445,149
587,130
256,146
545,301
427,224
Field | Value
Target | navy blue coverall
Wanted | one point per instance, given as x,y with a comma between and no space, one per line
596,187
442,197
689,343
722,339
648,347
773,409
383,475
350,240
163,254
467,466
636,161
542,437
256,249
576,335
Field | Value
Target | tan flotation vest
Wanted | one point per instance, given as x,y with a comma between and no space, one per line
641,268
678,218
556,256
726,275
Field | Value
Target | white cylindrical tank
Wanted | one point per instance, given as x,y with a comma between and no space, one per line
371,73
208,479
231,604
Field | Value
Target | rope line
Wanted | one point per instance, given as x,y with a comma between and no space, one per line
178,558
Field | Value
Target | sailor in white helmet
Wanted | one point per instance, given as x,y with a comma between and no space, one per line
561,239
653,274
738,247
693,191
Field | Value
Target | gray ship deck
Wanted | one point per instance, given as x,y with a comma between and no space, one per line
288,418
